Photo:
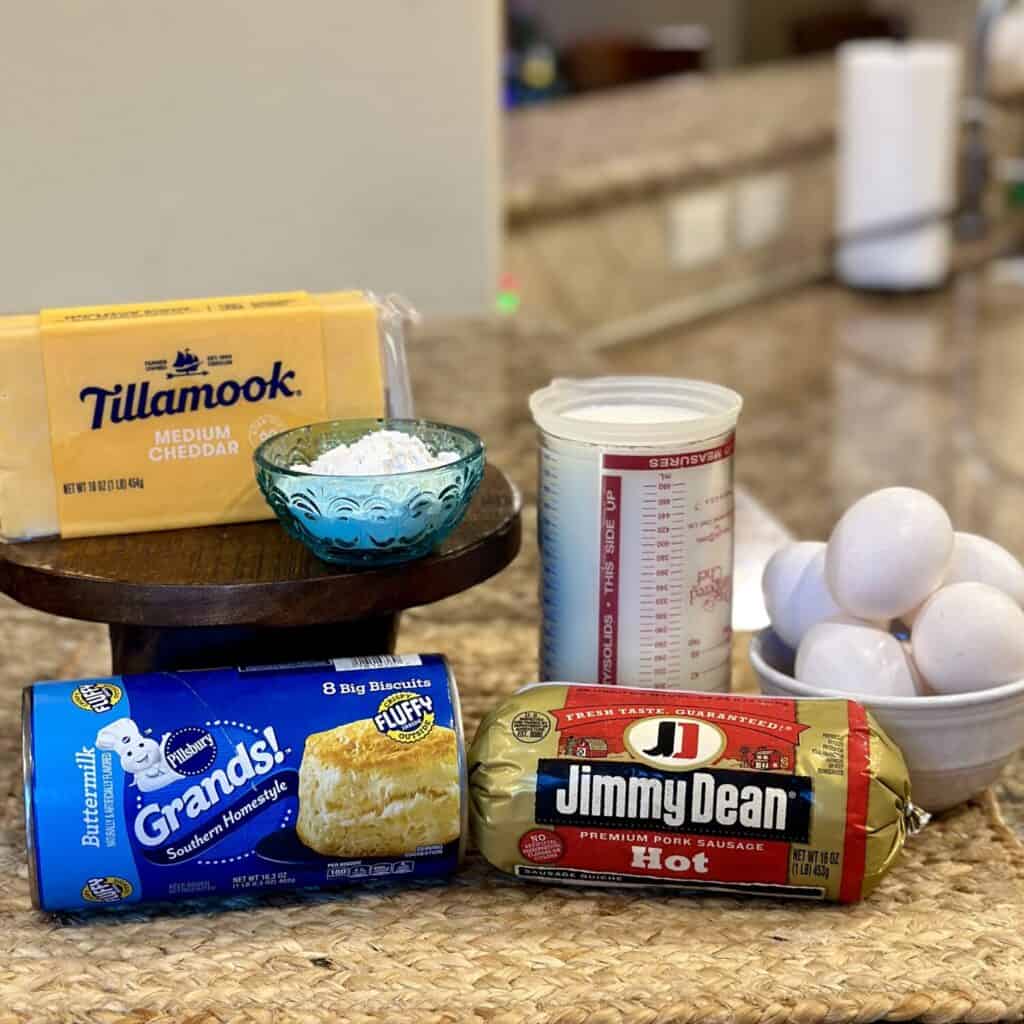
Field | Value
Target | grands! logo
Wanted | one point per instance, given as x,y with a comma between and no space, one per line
124,403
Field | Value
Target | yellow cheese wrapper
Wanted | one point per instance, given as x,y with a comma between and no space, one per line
130,418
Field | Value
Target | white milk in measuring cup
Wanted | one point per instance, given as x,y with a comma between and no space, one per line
636,531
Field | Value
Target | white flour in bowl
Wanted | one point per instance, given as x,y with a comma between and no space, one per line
377,454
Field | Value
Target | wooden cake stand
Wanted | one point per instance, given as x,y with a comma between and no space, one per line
249,594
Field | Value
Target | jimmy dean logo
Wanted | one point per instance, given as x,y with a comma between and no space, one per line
712,802
674,742
123,404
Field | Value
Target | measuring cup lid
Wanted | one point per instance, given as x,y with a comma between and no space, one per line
635,410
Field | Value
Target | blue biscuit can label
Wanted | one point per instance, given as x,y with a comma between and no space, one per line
174,785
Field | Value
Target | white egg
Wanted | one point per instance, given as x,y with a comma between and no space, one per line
812,600
856,658
781,577
922,688
809,603
888,552
909,618
980,560
969,636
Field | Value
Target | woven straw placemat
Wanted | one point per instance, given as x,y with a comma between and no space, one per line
941,940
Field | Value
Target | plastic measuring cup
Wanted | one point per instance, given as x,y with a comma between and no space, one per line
636,531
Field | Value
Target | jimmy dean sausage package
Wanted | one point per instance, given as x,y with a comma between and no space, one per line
708,792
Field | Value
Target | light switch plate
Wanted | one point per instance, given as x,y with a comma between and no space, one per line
698,228
762,206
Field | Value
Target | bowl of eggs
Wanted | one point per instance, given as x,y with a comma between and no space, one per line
921,624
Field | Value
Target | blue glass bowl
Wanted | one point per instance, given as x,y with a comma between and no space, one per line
369,520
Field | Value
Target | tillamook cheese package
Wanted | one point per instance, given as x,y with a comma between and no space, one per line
168,786
118,419
712,793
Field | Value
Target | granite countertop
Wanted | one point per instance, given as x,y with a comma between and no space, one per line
687,130
676,131
843,393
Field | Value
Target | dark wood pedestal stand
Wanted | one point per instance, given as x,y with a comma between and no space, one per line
249,594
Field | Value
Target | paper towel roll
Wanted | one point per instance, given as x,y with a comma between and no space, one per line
897,130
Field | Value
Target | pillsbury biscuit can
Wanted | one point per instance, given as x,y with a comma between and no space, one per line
173,785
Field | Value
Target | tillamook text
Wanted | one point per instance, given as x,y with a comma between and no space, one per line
123,404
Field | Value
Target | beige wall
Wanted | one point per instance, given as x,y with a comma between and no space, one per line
216,146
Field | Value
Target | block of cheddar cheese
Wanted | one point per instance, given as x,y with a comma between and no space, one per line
119,419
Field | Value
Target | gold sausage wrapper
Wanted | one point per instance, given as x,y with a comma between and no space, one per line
767,796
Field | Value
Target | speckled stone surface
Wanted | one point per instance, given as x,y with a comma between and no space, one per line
843,393
621,143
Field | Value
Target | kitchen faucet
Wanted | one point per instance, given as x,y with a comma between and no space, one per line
972,222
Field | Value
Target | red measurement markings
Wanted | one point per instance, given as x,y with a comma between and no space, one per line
682,460
660,605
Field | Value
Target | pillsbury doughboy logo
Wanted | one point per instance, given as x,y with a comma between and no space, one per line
405,717
125,403
142,757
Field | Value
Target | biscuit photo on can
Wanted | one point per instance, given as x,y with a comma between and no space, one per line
364,794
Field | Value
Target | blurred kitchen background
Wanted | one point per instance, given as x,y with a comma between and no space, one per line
614,168
668,159
815,202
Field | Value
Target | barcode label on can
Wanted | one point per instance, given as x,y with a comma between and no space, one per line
378,661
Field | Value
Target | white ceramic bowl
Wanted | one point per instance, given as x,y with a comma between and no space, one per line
954,745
